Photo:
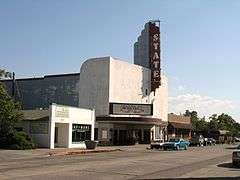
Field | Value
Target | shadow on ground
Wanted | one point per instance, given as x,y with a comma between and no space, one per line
234,147
229,165
221,178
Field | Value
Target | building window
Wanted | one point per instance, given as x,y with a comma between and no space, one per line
146,92
81,132
104,134
39,127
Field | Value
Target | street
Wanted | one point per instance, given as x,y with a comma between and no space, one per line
133,162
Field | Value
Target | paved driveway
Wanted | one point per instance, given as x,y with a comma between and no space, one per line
134,162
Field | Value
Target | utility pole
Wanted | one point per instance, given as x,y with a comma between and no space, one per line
13,86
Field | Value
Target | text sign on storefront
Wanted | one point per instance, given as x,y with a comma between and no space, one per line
130,109
154,55
61,112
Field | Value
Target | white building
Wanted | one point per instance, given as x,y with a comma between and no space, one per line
126,108
60,126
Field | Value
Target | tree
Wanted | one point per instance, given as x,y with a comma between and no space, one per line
10,113
193,117
202,125
213,123
5,74
217,122
226,122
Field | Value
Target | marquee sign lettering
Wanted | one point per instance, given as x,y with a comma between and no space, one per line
130,109
154,55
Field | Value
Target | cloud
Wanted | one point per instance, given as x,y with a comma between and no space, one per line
204,105
181,88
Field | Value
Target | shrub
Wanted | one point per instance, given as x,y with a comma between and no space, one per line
19,140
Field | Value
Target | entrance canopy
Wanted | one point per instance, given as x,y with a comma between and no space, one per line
131,120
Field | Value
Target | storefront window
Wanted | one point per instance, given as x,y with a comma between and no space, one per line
81,132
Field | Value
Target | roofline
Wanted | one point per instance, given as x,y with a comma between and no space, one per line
40,78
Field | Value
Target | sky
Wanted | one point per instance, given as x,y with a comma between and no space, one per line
199,42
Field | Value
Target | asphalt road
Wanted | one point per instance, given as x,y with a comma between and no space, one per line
135,162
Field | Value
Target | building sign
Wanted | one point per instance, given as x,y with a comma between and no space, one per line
154,55
39,127
81,127
62,112
130,109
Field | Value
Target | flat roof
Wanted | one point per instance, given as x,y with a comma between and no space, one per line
40,78
36,114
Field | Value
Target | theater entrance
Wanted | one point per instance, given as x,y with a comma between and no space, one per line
131,136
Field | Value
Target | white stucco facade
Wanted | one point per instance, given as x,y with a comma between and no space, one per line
63,117
107,80
55,127
104,80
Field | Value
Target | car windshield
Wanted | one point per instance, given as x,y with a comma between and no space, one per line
173,140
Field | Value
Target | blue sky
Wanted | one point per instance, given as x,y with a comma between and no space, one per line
199,40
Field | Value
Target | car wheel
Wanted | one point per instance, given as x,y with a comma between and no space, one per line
234,163
164,149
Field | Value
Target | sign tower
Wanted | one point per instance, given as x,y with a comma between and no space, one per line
147,51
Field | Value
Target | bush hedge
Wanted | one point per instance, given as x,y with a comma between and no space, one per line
17,140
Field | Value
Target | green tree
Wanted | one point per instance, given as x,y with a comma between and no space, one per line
10,113
217,122
226,122
213,124
194,118
5,74
202,125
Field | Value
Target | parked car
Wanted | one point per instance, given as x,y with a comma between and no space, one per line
238,147
237,139
156,144
236,158
176,144
209,141
197,140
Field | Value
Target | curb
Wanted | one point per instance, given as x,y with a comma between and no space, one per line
81,152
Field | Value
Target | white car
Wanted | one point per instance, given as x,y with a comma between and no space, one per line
156,144
236,158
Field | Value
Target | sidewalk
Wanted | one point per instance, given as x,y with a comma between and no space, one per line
74,151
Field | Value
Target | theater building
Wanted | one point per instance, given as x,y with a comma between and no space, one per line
130,100
127,111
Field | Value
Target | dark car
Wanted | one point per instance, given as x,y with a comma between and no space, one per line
236,158
176,144
209,141
197,140
238,147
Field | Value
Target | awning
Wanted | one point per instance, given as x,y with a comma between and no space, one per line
35,114
181,125
131,120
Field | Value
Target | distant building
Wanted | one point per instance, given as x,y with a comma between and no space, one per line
39,93
179,126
